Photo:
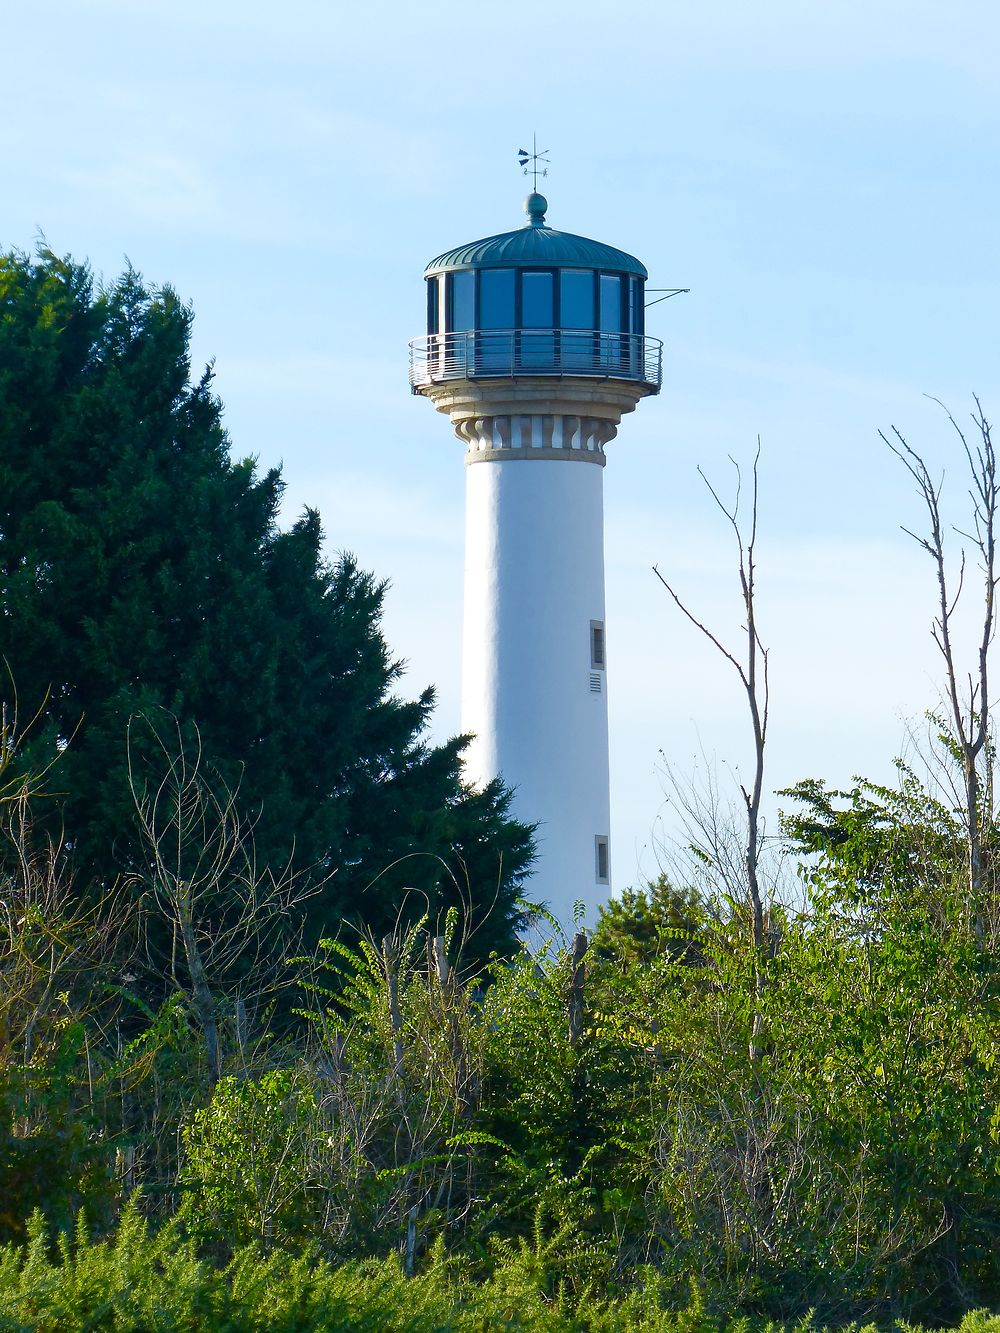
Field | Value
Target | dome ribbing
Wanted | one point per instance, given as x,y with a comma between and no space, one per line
535,246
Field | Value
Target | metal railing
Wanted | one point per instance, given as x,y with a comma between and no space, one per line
506,352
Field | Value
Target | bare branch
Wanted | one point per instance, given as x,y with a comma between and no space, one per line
969,704
227,916
753,672
699,625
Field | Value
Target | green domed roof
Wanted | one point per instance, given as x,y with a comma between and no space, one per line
536,245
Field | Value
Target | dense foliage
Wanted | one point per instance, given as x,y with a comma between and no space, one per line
141,1282
141,571
597,1119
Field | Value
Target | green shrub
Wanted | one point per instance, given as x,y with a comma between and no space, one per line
156,1283
246,1161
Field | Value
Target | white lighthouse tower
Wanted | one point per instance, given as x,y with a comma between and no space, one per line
535,349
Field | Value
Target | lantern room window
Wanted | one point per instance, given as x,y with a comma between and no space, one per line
635,306
575,321
576,299
536,300
496,298
537,312
461,301
611,303
510,298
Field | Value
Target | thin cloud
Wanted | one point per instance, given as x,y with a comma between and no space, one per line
156,187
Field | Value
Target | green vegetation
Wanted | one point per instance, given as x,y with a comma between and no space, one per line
148,1283
221,1107
601,1123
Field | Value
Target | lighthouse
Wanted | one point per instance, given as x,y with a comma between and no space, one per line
535,349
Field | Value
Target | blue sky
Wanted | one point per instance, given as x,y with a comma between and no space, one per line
823,178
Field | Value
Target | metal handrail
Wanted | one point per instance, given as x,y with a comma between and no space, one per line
498,353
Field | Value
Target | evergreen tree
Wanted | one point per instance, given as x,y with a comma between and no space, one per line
658,921
142,570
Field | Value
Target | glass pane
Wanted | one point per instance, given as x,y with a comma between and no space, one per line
635,313
536,300
612,342
611,303
496,298
596,644
537,349
462,312
576,299
432,305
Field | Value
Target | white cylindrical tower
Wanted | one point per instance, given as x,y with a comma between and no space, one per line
535,349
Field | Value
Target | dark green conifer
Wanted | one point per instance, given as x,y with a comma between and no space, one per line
142,570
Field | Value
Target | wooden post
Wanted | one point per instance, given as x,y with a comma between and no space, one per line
395,1020
577,977
411,1239
440,960
241,1025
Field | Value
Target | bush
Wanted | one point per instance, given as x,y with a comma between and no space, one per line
247,1154
156,1283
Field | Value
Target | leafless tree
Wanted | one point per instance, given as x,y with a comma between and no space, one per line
232,922
58,949
967,693
751,666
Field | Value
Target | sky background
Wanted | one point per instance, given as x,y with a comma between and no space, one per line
825,180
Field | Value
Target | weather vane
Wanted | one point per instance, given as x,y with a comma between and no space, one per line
534,157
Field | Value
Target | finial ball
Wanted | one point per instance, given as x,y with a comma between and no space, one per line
535,206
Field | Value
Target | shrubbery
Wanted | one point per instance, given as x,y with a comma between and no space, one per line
149,1282
611,1128
600,1126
